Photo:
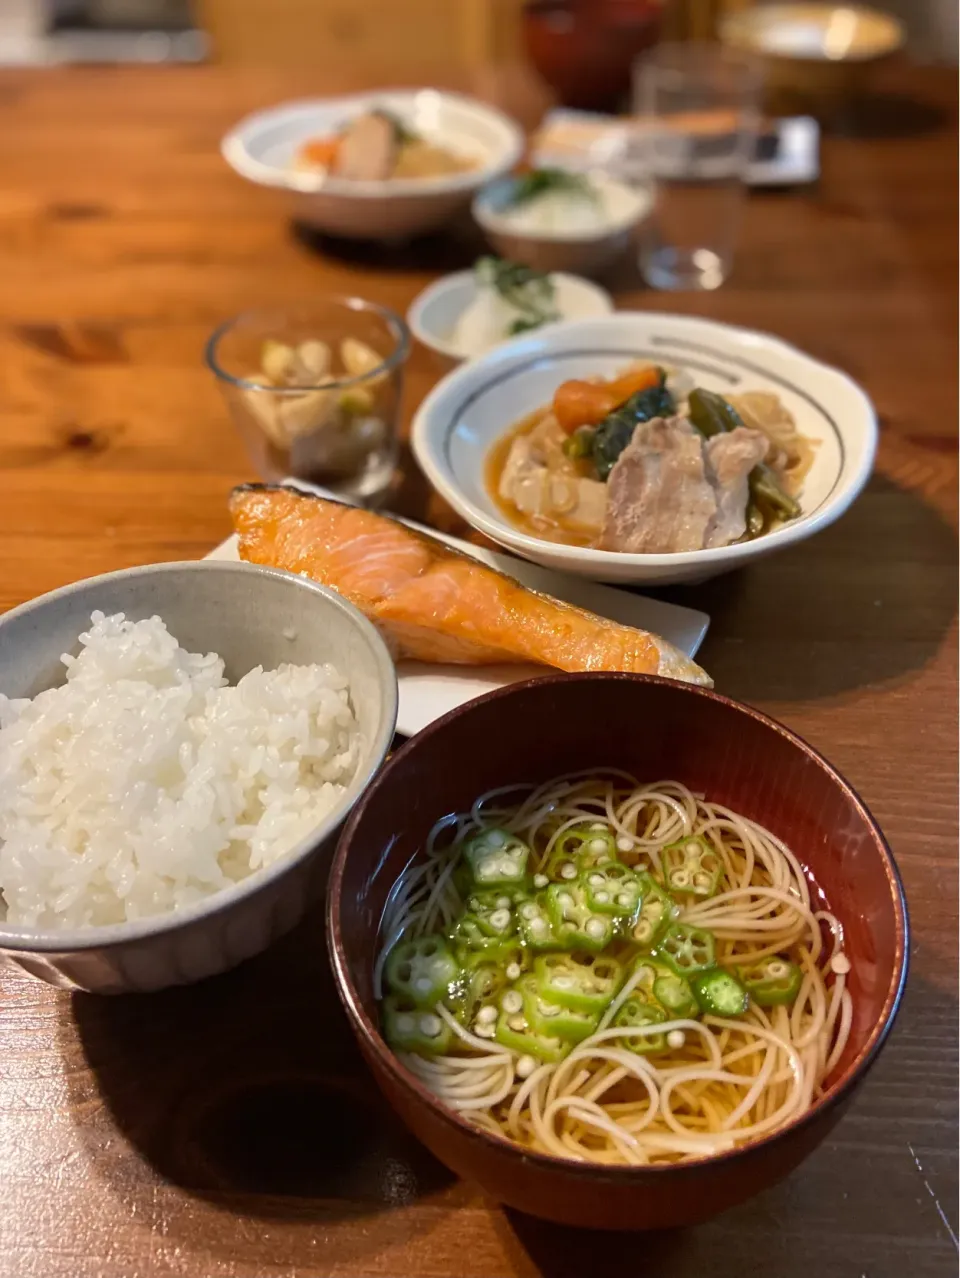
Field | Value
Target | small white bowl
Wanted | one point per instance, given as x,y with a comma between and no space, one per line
581,252
250,616
468,410
262,148
433,314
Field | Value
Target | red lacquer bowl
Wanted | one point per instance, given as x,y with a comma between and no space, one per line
585,49
655,729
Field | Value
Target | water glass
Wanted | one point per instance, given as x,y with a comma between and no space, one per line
699,113
314,389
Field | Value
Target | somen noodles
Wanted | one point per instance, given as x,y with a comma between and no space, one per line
612,972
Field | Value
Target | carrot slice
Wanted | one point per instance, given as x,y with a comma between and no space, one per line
578,403
321,151
636,379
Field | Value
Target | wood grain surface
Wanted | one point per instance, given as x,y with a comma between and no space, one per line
230,1130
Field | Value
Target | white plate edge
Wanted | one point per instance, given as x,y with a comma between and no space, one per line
427,692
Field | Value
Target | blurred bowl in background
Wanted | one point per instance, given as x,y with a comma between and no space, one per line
584,49
314,389
263,147
813,55
434,313
577,251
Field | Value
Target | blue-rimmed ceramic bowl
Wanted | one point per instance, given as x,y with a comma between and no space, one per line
466,413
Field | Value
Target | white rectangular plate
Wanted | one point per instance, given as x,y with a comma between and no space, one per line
428,691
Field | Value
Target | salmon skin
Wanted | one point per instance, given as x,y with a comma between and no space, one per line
433,603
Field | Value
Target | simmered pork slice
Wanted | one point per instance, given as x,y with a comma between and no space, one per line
659,498
368,149
730,459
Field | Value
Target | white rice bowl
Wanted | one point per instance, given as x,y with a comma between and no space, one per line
145,783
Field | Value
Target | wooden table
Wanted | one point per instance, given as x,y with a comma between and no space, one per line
229,1130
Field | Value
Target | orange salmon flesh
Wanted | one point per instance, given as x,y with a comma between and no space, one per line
433,603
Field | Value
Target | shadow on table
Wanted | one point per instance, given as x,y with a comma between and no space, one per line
455,248
878,1197
866,601
887,115
248,1090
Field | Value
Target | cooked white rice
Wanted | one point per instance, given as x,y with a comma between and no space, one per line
145,783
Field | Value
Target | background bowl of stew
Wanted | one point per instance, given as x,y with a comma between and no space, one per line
734,754
262,148
458,423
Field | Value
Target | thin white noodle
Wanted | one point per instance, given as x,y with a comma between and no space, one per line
480,1044
843,1033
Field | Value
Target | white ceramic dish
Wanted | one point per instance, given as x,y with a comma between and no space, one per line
582,252
459,420
250,616
263,146
434,313
426,692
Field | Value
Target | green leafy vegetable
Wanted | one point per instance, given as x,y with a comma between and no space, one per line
530,186
580,443
523,325
616,430
768,494
529,292
712,415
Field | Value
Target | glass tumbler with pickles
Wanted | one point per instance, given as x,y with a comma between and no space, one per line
315,390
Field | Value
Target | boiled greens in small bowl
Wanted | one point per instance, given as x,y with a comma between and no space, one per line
464,315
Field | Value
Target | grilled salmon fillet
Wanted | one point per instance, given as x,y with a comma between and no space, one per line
431,602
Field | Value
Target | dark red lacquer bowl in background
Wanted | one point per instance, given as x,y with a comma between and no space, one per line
656,729
585,49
